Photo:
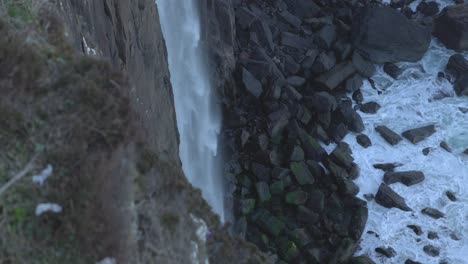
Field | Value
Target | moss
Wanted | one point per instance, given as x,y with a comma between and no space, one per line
169,221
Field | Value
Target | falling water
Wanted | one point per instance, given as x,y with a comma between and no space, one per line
198,116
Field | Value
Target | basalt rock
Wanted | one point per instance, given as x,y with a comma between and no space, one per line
451,27
432,212
408,178
363,140
390,136
389,198
419,134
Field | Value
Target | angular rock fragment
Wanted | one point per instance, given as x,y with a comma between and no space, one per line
389,198
390,136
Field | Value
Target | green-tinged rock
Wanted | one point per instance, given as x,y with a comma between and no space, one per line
247,206
288,250
277,187
342,155
302,173
344,251
311,146
297,154
245,181
361,260
297,197
300,237
268,222
263,191
336,170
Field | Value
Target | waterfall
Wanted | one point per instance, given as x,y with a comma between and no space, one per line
198,116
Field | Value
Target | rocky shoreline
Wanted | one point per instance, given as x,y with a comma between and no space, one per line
299,67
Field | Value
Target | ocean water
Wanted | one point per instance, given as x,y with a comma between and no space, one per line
407,103
198,116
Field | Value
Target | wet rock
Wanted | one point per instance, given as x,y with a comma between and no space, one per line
457,66
358,97
465,151
342,155
390,136
300,237
247,206
461,86
389,198
323,63
268,222
416,229
363,66
445,146
451,196
388,252
297,197
312,149
302,173
454,236
419,134
321,102
426,151
454,18
336,76
432,235
408,178
431,250
348,115
326,36
386,35
392,70
303,9
409,261
370,108
295,41
354,171
369,197
296,81
354,83
361,260
358,222
386,166
288,250
297,154
263,191
251,84
432,212
428,8
338,132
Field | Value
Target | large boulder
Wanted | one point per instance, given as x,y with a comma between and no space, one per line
451,27
382,34
419,134
408,178
389,198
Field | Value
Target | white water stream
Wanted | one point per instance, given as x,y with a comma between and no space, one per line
408,103
198,117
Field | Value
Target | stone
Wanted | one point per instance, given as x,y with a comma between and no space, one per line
309,60
428,8
251,83
296,81
295,41
277,187
383,34
324,62
312,149
302,173
432,212
389,198
268,222
291,19
416,229
451,27
451,196
321,102
417,135
426,151
393,70
445,146
409,261
263,191
431,250
360,260
354,83
326,36
245,17
296,197
331,79
261,172
344,251
288,250
461,86
408,178
348,115
290,66
388,252
303,9
386,166
358,222
358,97
432,235
297,154
342,155
369,196
363,140
370,108
247,206
354,171
306,215
457,66
263,32
316,200
300,237
338,132
390,136
362,65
